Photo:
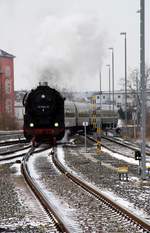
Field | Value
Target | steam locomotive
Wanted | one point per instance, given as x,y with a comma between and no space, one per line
47,115
44,115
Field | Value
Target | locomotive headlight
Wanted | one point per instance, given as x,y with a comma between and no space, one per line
31,125
56,124
43,96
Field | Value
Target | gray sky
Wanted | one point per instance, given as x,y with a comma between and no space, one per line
66,41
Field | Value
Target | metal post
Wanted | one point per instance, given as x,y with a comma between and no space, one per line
143,86
113,98
137,103
85,137
125,54
100,86
109,85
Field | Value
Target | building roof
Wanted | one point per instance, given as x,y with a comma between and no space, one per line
5,54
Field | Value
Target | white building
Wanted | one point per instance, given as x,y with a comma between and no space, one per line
105,100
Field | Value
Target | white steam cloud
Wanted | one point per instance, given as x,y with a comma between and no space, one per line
69,51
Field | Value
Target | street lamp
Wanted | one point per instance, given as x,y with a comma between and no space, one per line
112,50
100,89
109,84
125,51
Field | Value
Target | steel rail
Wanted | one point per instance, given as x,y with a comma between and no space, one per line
13,150
126,145
41,197
13,141
143,224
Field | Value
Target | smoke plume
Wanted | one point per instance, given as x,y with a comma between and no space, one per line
69,51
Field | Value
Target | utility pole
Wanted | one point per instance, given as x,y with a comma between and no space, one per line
113,99
109,85
100,89
137,103
143,86
125,54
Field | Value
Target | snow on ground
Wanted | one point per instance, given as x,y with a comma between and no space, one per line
61,206
17,168
125,204
120,157
18,154
124,158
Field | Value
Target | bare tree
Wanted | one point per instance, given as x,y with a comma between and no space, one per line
134,92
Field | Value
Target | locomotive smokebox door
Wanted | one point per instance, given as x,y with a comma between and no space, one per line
137,155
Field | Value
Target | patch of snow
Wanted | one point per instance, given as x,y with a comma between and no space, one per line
11,160
62,207
120,157
17,167
125,204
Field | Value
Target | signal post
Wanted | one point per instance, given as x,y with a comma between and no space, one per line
98,144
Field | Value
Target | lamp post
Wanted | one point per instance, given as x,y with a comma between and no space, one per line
143,84
125,59
109,84
100,89
113,99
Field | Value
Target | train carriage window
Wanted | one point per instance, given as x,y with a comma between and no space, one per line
83,114
69,112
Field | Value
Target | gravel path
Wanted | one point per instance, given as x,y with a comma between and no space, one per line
19,211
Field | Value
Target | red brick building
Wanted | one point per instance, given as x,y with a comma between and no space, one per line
6,83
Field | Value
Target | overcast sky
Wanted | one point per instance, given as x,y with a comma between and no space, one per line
66,41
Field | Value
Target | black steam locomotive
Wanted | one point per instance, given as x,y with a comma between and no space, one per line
44,115
47,116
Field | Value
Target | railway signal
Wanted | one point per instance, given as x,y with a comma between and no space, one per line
85,124
123,172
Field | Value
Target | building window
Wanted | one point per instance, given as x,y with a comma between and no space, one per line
7,86
8,106
103,97
7,72
118,105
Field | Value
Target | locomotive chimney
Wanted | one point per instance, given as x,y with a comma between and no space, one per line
43,83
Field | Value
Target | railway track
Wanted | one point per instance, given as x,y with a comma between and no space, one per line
9,135
54,215
125,144
123,148
12,151
124,213
125,218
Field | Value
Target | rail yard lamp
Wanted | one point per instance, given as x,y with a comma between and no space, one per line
125,59
112,67
109,84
